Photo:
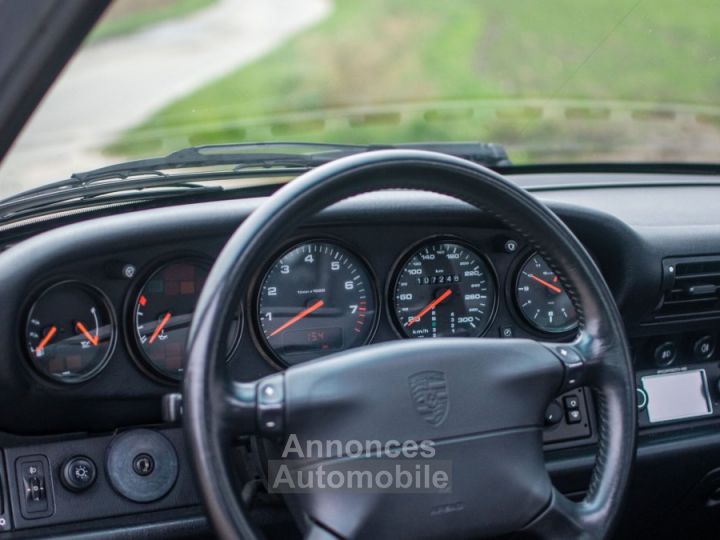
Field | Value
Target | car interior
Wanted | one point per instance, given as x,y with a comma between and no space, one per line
217,340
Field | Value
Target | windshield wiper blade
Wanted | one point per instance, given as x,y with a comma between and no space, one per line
33,200
284,154
150,173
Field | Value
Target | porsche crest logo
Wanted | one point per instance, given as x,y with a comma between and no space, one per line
430,396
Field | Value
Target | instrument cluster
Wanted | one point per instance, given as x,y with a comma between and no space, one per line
317,296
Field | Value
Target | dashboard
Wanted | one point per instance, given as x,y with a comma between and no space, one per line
96,309
316,296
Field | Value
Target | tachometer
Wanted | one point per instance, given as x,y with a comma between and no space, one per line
443,289
70,332
317,298
541,298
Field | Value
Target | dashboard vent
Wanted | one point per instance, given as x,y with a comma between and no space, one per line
691,288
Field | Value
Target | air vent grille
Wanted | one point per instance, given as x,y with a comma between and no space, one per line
691,288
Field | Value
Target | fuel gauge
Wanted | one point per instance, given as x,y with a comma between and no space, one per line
69,332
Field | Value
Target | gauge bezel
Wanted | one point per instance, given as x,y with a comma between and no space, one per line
559,332
254,291
36,295
137,352
402,260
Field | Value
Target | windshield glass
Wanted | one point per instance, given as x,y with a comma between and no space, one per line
552,81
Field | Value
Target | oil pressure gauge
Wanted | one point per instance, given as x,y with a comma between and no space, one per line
69,332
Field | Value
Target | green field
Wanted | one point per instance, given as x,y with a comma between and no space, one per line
142,15
380,54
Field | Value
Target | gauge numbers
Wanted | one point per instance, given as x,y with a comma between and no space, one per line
316,299
69,332
163,312
444,289
541,298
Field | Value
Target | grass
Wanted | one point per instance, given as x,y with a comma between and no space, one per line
375,52
143,16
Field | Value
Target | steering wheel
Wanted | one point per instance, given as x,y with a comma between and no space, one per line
495,391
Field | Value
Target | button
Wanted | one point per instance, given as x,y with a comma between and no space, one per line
574,416
665,353
143,464
120,270
270,406
571,402
506,332
704,347
574,366
35,490
568,355
78,473
553,414
642,399
510,246
35,486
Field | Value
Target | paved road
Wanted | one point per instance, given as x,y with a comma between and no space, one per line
112,86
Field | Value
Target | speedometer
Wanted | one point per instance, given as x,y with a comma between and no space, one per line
317,298
444,288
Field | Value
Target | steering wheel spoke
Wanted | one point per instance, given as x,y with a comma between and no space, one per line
239,409
562,518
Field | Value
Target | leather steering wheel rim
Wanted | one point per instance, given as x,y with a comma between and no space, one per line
601,346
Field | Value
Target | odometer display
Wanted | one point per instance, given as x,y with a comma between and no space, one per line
444,289
316,299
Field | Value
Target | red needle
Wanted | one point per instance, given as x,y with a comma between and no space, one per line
543,282
159,327
92,339
46,340
304,313
427,308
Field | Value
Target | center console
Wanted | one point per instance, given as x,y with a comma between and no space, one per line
677,379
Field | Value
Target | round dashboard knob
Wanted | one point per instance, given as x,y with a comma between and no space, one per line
553,414
78,473
704,347
665,353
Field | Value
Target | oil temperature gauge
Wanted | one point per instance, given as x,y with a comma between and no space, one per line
69,332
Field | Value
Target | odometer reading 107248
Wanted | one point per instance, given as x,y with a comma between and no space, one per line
444,289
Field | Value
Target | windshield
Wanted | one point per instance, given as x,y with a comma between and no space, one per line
552,81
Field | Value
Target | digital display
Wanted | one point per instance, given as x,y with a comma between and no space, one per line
673,396
316,339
